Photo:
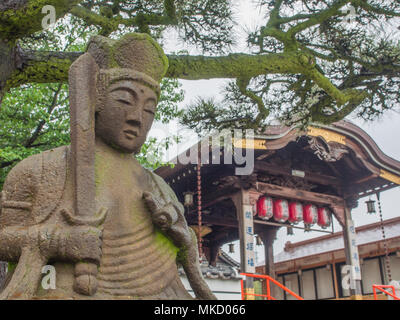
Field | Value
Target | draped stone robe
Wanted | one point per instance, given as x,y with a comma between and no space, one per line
138,260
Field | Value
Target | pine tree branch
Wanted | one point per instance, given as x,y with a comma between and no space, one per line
110,24
20,18
48,67
319,17
370,8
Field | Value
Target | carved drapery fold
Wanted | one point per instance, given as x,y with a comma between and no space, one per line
3,272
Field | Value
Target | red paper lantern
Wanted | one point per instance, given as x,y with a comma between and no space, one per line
264,207
281,210
295,212
310,214
324,217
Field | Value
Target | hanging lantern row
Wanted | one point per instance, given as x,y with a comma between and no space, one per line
310,214
294,212
324,217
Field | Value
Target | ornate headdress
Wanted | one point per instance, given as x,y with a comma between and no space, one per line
135,57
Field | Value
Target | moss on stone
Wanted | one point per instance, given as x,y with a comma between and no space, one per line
138,51
11,266
163,241
182,255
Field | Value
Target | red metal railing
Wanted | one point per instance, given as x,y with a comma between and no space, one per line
268,287
381,288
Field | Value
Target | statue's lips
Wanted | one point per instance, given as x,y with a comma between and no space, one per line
130,134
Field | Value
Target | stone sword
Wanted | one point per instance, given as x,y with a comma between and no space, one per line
82,92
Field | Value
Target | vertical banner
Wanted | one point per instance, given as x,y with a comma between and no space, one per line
353,251
248,235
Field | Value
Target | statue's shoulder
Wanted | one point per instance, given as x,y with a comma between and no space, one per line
28,171
34,187
160,186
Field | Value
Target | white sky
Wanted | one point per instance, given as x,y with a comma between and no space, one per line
385,132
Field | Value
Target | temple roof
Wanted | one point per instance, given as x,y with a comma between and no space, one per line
337,154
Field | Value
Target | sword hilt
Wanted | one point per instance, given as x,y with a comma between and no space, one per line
85,271
85,278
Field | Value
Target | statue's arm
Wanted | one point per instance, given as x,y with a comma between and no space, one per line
33,232
168,214
12,241
16,200
18,221
63,243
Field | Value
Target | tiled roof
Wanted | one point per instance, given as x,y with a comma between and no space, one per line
226,268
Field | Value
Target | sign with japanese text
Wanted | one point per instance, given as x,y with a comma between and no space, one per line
248,235
354,257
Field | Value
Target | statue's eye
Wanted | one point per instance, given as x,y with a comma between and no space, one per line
123,96
124,101
150,107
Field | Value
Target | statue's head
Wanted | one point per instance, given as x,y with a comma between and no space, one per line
128,88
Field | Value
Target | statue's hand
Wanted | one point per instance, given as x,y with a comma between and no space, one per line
164,215
73,244
170,219
84,247
83,243
169,216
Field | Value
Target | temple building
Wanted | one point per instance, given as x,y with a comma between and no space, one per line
298,178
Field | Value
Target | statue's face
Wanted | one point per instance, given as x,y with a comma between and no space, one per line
127,115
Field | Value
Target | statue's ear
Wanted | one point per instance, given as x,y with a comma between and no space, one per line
83,96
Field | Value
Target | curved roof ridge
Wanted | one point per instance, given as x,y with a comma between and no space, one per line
349,130
227,259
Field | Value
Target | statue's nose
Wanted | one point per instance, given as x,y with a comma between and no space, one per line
134,116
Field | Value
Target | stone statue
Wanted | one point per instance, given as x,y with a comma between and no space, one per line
110,228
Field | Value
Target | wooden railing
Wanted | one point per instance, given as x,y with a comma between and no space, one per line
267,279
379,287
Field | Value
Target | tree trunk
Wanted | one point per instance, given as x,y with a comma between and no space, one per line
8,57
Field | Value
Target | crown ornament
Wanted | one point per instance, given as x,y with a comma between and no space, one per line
135,56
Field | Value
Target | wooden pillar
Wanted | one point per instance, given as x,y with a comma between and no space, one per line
212,255
335,276
268,236
213,251
351,251
246,235
335,280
